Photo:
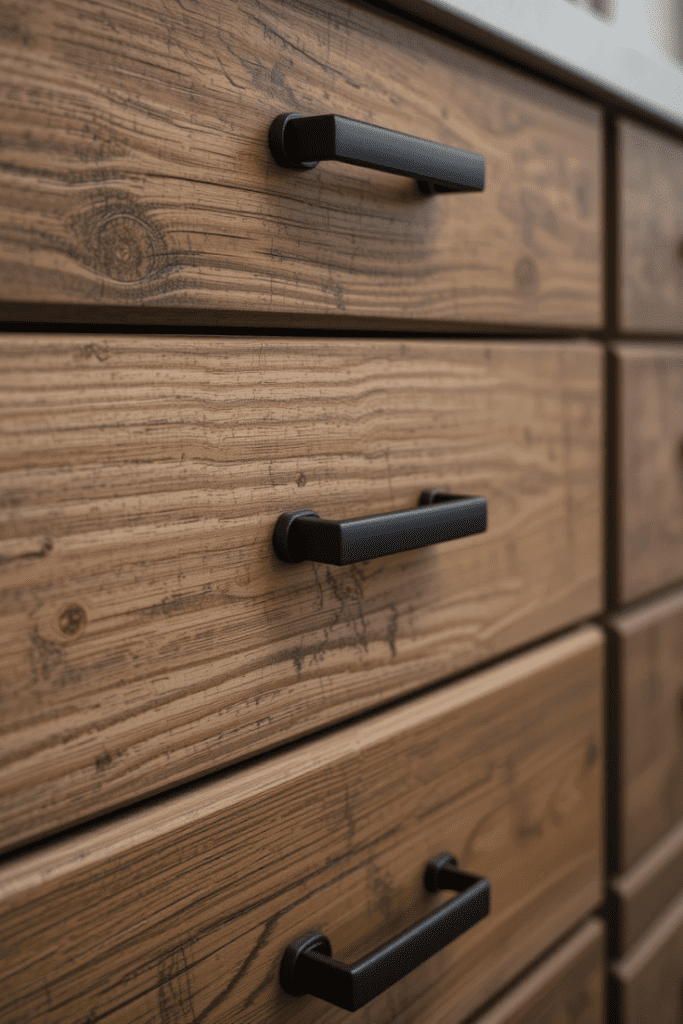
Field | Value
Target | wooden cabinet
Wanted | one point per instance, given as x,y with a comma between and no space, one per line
650,228
649,747
151,633
648,381
194,898
567,986
207,752
647,983
639,895
136,171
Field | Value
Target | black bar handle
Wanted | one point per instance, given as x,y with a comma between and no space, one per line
300,142
304,535
307,967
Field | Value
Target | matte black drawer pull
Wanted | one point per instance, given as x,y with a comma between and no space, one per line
300,142
304,535
307,967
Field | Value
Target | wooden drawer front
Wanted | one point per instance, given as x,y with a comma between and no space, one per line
649,747
149,632
650,468
651,230
185,906
137,170
568,985
646,985
640,894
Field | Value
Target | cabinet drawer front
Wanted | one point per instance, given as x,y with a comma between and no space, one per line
651,230
649,747
650,468
642,893
568,985
185,906
138,172
148,629
647,984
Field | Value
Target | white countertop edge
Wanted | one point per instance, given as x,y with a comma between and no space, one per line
617,55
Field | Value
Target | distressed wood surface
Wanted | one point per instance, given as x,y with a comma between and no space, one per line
643,892
650,169
650,745
136,170
568,985
149,634
649,382
647,983
181,910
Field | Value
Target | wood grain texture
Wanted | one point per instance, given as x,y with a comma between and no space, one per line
647,984
650,225
568,985
181,910
650,745
643,892
649,452
149,632
136,170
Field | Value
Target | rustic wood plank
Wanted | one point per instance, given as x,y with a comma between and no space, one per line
647,983
136,171
643,892
181,910
567,985
650,745
649,383
148,632
650,176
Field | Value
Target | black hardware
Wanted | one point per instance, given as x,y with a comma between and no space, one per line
307,967
304,535
300,142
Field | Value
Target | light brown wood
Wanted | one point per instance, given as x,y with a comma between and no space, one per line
150,634
568,985
647,983
649,648
650,288
643,892
649,383
136,170
181,910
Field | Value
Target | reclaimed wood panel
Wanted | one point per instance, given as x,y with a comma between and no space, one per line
650,225
181,910
649,453
150,635
136,170
568,985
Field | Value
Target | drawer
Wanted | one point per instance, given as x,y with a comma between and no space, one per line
148,629
648,748
647,984
137,172
649,453
181,909
568,985
650,182
640,894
